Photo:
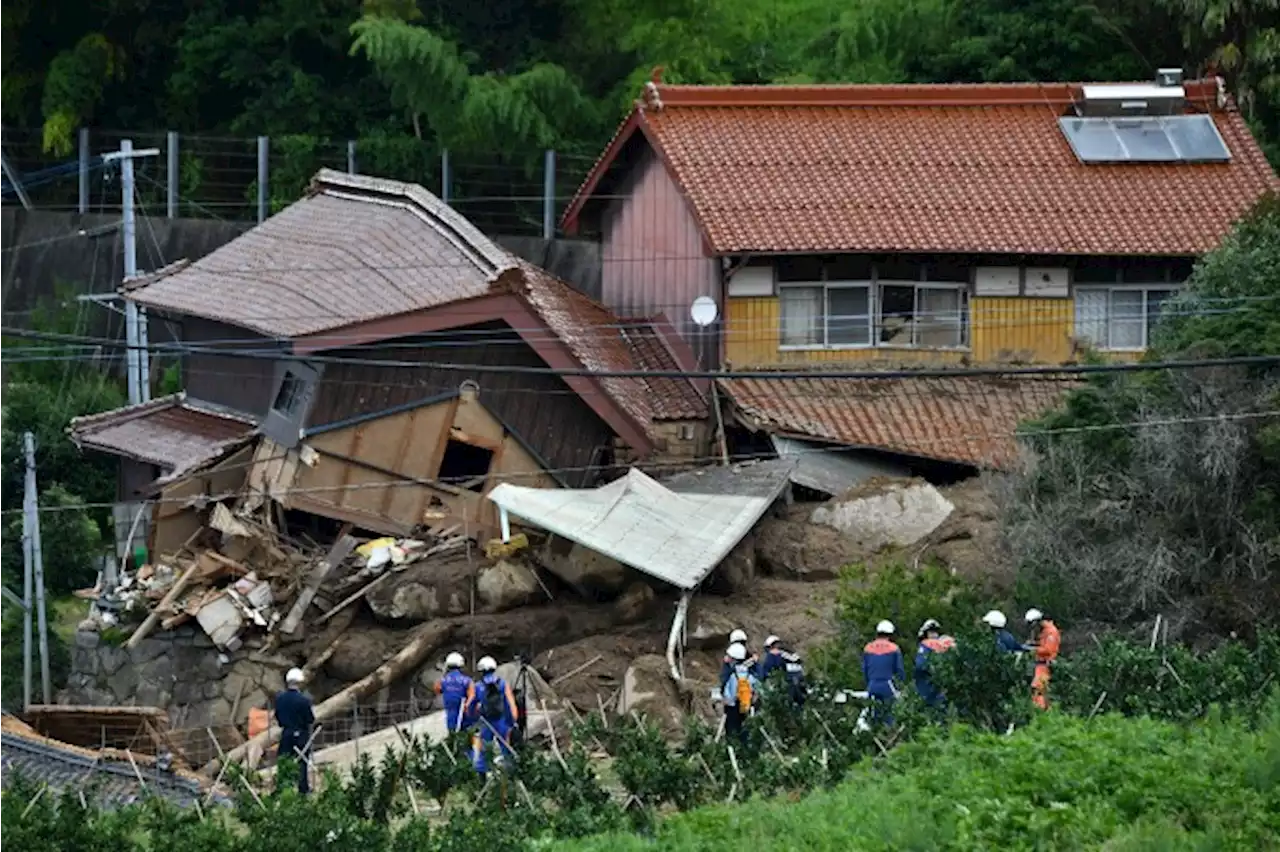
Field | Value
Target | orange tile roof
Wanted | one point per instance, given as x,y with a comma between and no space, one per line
964,419
937,168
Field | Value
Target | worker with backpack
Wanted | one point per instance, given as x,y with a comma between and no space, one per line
739,695
495,710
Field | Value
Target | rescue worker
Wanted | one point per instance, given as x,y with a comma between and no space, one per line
295,717
1004,639
458,691
494,707
883,670
739,693
727,665
932,641
777,658
1045,638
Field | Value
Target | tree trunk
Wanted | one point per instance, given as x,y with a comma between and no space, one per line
426,640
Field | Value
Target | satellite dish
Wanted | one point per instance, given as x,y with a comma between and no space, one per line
703,311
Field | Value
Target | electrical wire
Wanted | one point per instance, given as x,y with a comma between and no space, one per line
682,464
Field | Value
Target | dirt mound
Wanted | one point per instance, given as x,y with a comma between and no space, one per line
970,542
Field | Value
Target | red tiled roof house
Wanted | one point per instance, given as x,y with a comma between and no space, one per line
912,223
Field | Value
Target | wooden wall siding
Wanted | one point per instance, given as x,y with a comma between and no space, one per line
1002,330
245,384
1025,330
407,446
653,259
540,407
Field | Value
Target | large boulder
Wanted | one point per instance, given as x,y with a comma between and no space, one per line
591,574
506,585
648,689
737,570
426,590
363,650
709,631
884,514
793,548
634,604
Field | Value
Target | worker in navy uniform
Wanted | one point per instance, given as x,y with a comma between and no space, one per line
295,717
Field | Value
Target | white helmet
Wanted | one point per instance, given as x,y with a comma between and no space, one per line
1034,615
771,641
995,619
487,664
454,660
929,624
294,677
885,628
737,652
738,635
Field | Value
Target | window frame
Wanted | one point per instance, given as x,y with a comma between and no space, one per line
1168,287
875,319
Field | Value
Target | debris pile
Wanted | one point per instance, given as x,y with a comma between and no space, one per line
240,579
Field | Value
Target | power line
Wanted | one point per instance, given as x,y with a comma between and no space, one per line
871,375
714,459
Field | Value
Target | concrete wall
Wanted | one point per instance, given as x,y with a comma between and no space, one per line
43,248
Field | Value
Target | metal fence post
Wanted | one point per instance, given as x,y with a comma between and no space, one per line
549,195
351,156
84,170
263,151
171,182
445,177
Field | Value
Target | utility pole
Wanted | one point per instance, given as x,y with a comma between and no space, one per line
34,560
137,356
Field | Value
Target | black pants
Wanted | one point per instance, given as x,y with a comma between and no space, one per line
735,724
291,743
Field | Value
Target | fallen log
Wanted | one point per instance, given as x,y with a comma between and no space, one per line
425,640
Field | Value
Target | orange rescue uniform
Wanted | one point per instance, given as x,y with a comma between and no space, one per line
1046,652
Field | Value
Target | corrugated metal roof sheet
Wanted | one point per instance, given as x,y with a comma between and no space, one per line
937,168
172,432
963,419
676,537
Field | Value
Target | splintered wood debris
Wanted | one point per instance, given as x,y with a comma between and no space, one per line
241,580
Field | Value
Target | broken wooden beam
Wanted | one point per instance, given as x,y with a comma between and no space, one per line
154,617
341,550
353,597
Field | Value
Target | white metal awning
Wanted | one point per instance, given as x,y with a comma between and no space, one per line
676,537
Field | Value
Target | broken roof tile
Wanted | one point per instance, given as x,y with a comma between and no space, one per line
172,432
961,419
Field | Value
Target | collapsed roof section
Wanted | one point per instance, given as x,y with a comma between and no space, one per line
675,536
173,433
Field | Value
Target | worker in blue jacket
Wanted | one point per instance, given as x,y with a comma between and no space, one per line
728,665
932,642
496,713
776,658
1005,641
883,670
458,691
295,717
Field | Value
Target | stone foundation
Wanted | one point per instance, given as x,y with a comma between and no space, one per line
179,670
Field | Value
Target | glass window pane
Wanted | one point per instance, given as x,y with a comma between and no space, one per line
849,316
801,319
1091,317
941,321
1128,319
1155,303
897,313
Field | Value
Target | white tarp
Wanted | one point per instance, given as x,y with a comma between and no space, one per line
679,538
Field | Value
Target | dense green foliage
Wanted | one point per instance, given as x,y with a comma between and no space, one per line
514,74
1181,513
